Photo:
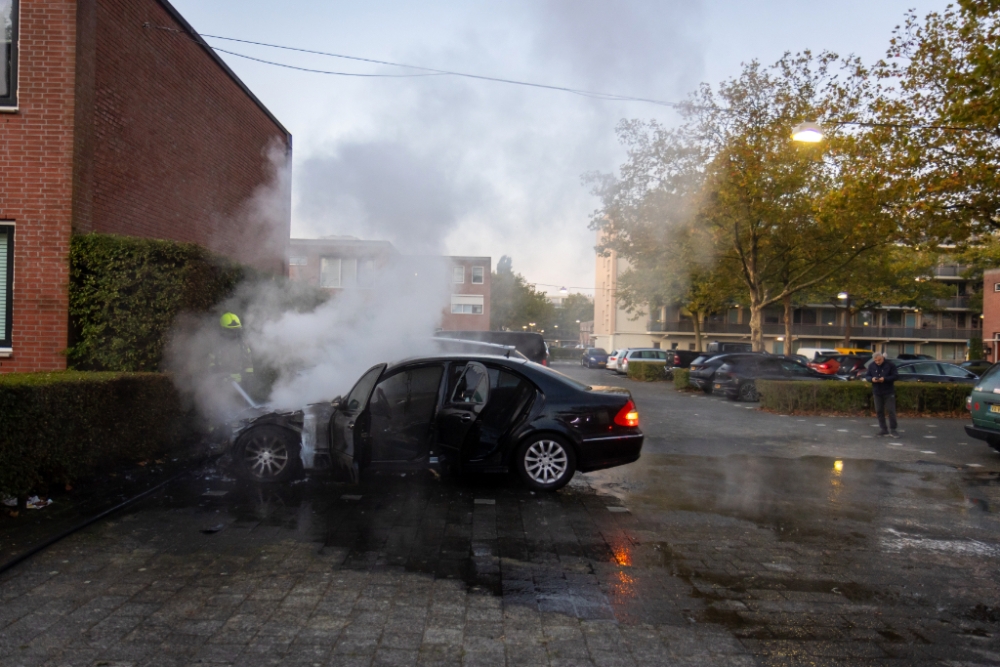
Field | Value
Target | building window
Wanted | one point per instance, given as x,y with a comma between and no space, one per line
366,272
297,261
459,275
329,272
8,53
6,282
467,304
477,275
996,287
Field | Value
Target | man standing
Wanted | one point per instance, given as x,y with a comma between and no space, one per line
883,375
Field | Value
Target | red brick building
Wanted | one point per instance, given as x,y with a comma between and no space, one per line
991,314
343,262
116,117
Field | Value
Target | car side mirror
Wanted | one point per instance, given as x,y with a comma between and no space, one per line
337,402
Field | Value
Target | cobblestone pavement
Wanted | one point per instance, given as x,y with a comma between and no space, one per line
733,541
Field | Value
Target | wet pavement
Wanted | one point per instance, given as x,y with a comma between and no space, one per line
739,538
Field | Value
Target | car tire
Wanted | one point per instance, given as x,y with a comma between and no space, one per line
748,392
708,389
267,454
545,463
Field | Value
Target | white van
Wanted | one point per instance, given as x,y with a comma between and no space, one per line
811,353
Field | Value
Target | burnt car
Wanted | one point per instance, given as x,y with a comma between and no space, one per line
467,413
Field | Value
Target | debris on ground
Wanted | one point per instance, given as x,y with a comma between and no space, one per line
36,503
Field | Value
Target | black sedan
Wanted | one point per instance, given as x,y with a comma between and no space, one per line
460,412
703,369
926,371
737,376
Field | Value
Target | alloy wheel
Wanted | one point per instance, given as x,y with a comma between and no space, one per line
546,461
266,455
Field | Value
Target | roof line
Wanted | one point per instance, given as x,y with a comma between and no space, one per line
176,16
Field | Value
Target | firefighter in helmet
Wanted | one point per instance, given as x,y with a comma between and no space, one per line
233,359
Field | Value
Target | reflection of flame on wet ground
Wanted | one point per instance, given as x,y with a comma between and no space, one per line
622,554
836,483
624,588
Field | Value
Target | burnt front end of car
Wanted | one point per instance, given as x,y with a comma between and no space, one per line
307,428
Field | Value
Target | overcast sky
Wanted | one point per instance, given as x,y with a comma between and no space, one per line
445,164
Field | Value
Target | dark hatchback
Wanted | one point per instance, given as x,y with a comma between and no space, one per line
702,369
594,357
460,412
737,377
927,371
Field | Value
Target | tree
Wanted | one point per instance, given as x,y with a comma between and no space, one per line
940,111
563,320
779,218
513,302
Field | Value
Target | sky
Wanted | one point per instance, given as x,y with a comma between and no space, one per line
440,164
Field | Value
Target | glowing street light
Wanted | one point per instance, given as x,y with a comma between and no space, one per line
563,291
843,296
808,133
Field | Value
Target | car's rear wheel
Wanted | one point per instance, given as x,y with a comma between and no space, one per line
708,389
267,454
748,392
545,463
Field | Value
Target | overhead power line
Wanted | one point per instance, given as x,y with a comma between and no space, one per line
423,71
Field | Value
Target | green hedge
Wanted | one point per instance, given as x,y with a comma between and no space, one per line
563,353
644,371
856,397
56,427
682,378
125,292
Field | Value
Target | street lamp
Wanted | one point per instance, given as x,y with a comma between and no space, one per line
563,291
808,133
843,296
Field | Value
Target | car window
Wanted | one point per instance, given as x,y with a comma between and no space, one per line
473,387
793,368
408,396
661,354
990,379
954,371
359,394
598,350
926,369
906,370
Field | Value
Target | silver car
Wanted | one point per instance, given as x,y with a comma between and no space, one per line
648,355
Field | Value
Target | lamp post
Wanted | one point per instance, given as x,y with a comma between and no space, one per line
846,298
811,132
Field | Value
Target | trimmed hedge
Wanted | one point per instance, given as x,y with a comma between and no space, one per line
563,353
856,397
643,371
682,378
57,427
125,292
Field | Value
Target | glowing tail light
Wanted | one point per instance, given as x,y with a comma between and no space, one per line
628,415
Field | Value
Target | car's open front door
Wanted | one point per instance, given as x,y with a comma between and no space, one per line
346,428
465,397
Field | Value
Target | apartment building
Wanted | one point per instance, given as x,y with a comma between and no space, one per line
338,263
943,332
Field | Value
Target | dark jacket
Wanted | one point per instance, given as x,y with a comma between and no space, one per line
888,372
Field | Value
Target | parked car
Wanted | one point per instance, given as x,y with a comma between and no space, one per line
906,356
703,376
681,358
827,364
977,366
855,351
927,371
594,357
811,353
849,363
468,413
612,364
738,375
649,355
984,408
716,347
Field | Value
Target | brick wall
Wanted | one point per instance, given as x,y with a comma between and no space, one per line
991,312
169,145
36,183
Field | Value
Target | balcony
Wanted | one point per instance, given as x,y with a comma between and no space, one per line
952,302
823,331
950,270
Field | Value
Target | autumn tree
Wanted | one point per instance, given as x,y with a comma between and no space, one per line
780,218
513,302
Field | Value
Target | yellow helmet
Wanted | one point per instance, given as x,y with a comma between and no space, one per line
230,321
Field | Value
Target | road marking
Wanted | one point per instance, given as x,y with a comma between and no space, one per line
895,444
927,451
973,465
930,436
618,509
820,424
841,430
484,501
